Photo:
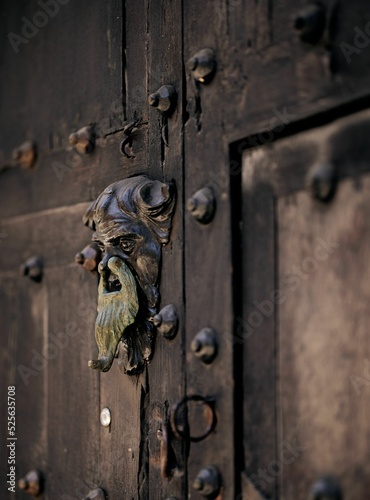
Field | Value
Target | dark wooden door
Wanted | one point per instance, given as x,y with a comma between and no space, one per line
277,134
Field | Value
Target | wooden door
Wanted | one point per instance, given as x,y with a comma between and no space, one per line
84,64
270,113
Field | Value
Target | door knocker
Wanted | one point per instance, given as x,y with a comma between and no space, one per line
131,220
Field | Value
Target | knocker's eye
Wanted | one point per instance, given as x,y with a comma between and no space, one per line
127,246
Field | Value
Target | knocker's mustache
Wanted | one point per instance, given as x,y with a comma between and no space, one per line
118,306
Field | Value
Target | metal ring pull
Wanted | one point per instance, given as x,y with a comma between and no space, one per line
181,430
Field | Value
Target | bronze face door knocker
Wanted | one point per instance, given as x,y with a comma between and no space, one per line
131,220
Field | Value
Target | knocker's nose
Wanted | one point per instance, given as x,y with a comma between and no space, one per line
103,264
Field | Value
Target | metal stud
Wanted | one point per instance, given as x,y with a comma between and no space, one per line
326,488
167,322
321,181
310,23
32,483
204,345
33,268
202,205
164,99
89,257
97,494
105,417
26,154
203,65
83,140
208,481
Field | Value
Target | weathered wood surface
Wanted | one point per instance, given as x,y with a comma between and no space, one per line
317,353
73,426
24,327
324,348
97,64
166,373
209,300
67,75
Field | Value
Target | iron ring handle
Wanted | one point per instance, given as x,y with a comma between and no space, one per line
185,433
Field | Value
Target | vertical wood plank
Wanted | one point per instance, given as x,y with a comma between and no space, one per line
123,454
256,328
166,372
74,444
24,324
208,266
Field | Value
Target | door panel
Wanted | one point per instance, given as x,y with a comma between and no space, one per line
59,58
309,315
286,390
324,337
272,68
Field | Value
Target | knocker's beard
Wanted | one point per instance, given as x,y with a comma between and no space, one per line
118,307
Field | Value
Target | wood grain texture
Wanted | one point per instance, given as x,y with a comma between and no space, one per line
49,234
24,330
64,177
255,330
324,351
166,373
302,78
208,267
97,63
61,70
316,353
73,427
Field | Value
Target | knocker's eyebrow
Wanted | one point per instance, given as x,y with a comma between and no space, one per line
118,236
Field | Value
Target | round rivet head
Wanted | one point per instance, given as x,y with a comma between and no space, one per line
167,322
25,154
89,257
97,494
33,268
310,23
164,99
105,417
326,488
204,345
208,482
32,483
202,205
321,181
83,140
202,65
